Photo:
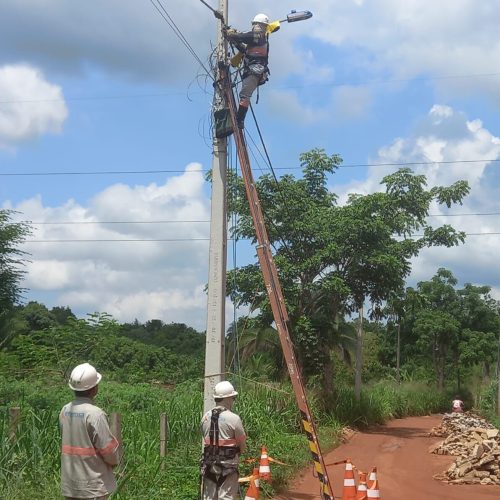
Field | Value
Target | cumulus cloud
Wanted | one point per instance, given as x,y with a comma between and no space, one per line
468,151
380,39
351,102
162,279
22,119
411,38
287,104
122,38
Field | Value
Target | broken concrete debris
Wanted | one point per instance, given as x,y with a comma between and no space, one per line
475,442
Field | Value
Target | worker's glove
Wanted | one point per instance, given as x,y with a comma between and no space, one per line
229,33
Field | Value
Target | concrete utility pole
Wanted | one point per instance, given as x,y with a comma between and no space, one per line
216,329
398,353
359,356
498,378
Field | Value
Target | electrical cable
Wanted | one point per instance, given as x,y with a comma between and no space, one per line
172,221
157,4
82,222
174,171
279,87
126,240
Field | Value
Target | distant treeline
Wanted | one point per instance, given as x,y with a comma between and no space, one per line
36,338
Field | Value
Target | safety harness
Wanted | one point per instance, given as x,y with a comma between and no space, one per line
213,465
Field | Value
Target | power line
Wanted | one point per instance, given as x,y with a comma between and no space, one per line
279,87
71,222
174,171
395,80
118,240
157,4
94,98
465,214
142,240
200,221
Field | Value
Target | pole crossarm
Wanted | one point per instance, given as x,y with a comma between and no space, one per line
275,294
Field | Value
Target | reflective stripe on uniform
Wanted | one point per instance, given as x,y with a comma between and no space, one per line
109,448
224,442
76,450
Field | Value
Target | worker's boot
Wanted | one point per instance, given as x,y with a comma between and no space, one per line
240,116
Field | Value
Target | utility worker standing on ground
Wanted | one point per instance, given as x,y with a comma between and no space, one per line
457,405
89,450
224,440
254,44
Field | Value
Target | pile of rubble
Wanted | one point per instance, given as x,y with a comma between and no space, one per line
475,442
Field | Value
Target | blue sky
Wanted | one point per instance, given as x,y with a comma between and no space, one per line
106,86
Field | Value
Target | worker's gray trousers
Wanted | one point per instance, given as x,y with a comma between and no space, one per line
105,497
228,490
248,86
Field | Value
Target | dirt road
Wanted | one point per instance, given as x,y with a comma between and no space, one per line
405,467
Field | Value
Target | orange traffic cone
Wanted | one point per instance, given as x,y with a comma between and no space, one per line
373,491
349,492
362,487
253,492
264,467
372,477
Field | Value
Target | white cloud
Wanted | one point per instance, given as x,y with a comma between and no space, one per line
351,102
416,37
135,279
22,119
446,135
287,105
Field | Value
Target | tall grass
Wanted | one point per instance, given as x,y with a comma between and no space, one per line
384,401
30,467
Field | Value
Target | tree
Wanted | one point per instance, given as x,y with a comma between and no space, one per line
62,314
437,335
456,327
12,259
334,257
479,318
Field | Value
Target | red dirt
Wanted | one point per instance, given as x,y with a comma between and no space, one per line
405,468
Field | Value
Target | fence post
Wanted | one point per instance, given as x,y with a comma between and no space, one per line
14,418
115,426
163,437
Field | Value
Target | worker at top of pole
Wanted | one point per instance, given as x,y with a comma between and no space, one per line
89,449
254,44
224,440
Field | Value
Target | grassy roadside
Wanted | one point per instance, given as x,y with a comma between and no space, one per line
30,468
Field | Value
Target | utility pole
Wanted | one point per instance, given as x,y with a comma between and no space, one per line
398,353
498,378
359,356
216,329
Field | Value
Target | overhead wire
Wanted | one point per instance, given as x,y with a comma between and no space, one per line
200,221
174,171
158,5
282,87
160,240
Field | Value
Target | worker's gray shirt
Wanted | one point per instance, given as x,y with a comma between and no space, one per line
231,432
88,452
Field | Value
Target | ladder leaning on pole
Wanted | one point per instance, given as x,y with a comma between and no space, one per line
275,294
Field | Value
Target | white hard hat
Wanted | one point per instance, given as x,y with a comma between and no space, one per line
84,377
260,18
224,390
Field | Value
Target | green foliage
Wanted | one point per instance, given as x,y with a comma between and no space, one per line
30,467
176,337
11,265
384,401
97,340
331,258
